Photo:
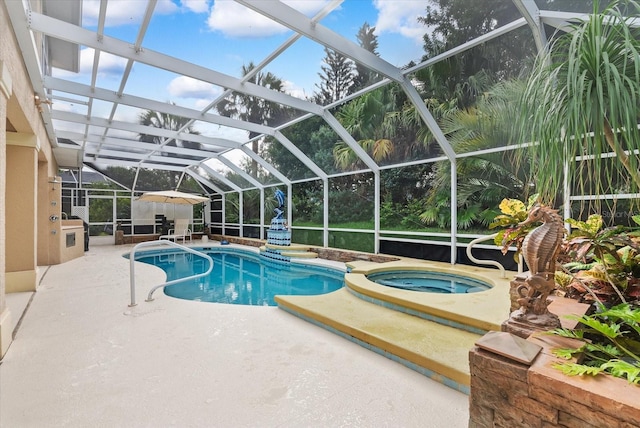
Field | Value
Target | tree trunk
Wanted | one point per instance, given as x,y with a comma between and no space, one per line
254,164
622,156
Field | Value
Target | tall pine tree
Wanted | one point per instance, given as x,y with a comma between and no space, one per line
369,41
336,79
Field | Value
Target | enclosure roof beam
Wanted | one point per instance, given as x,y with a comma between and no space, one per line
204,181
266,165
530,11
93,141
277,52
113,154
126,163
239,171
62,30
521,22
428,119
349,140
299,23
57,84
299,154
144,129
220,177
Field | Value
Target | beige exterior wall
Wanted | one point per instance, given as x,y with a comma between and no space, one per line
27,237
5,315
74,230
20,212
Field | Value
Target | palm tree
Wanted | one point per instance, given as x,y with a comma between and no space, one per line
255,109
583,98
173,123
167,121
483,180
363,118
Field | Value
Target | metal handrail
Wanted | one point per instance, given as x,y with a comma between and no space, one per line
175,281
485,262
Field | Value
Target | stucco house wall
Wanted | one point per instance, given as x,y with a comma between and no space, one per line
27,198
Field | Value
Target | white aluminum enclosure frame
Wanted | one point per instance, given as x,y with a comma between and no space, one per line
106,149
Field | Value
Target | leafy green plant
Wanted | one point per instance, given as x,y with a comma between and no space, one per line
611,344
599,264
603,263
581,99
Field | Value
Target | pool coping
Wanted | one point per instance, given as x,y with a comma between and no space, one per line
482,311
477,312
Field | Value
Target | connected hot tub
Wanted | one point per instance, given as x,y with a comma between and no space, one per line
428,281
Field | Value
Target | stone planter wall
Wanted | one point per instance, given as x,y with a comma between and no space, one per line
505,393
250,242
323,253
121,238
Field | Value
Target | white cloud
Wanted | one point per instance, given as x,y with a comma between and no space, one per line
187,87
109,65
218,131
196,6
201,103
400,16
294,90
235,20
123,11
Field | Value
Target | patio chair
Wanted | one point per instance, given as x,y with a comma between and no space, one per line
180,231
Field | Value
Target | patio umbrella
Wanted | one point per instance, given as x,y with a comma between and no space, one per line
172,197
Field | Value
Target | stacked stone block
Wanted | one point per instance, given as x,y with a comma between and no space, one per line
505,393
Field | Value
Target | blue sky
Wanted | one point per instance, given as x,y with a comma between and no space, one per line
224,36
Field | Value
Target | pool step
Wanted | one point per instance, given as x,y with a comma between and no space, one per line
299,254
292,247
292,251
435,350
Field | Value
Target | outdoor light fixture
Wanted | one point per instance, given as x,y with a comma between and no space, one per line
53,181
39,101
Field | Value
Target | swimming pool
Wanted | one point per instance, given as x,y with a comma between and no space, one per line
240,277
428,281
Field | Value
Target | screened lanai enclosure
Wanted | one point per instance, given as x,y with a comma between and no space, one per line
391,145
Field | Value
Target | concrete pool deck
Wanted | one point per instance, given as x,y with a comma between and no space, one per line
81,357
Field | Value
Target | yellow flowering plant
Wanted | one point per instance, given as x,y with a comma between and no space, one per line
514,212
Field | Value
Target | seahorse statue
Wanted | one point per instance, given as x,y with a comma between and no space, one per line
540,249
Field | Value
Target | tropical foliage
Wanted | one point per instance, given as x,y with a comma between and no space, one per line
512,233
487,178
364,118
602,264
582,101
598,264
610,343
255,109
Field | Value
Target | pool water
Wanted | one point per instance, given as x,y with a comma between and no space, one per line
429,282
241,278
